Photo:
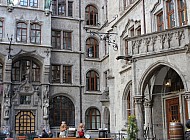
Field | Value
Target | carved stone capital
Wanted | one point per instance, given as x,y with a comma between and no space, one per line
148,103
138,99
187,95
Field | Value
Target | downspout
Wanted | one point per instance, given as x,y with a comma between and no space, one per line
144,20
80,61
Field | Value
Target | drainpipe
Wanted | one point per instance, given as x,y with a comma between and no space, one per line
144,17
80,61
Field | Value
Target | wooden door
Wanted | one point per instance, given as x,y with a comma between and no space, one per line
172,111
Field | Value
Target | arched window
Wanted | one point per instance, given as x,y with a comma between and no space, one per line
92,48
92,81
93,119
62,109
127,102
91,15
25,68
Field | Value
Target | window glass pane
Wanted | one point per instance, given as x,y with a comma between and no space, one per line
62,108
70,8
24,2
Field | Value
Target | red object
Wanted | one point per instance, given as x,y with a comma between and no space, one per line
81,133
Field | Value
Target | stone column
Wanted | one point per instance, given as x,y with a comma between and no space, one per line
139,115
148,119
187,96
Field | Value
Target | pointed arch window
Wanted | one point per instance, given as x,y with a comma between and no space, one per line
93,119
92,81
91,14
92,48
62,108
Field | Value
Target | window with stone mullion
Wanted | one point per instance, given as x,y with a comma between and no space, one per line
67,74
182,12
170,13
21,32
70,8
62,7
34,3
67,38
56,73
35,34
23,2
56,39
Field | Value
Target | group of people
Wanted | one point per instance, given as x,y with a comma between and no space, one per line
64,127
64,132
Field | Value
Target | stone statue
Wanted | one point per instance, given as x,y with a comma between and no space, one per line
46,105
6,110
6,91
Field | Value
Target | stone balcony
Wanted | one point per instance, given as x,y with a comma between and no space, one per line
171,40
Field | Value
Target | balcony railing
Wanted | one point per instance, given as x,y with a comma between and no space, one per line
159,42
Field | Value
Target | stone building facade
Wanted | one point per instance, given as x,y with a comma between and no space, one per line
96,62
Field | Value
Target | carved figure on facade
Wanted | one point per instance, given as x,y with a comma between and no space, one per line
45,109
6,110
7,90
46,93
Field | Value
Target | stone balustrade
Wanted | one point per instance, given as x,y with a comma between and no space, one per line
159,42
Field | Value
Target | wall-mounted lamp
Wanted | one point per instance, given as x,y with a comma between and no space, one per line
106,37
128,57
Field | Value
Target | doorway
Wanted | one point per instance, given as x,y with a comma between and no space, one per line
24,122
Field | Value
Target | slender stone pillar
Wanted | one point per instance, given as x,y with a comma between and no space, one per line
148,119
139,115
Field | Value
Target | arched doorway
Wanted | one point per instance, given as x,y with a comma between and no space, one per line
164,102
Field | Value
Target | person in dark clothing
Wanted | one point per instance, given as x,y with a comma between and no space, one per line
44,134
50,134
187,132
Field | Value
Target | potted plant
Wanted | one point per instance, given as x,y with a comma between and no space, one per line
132,128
